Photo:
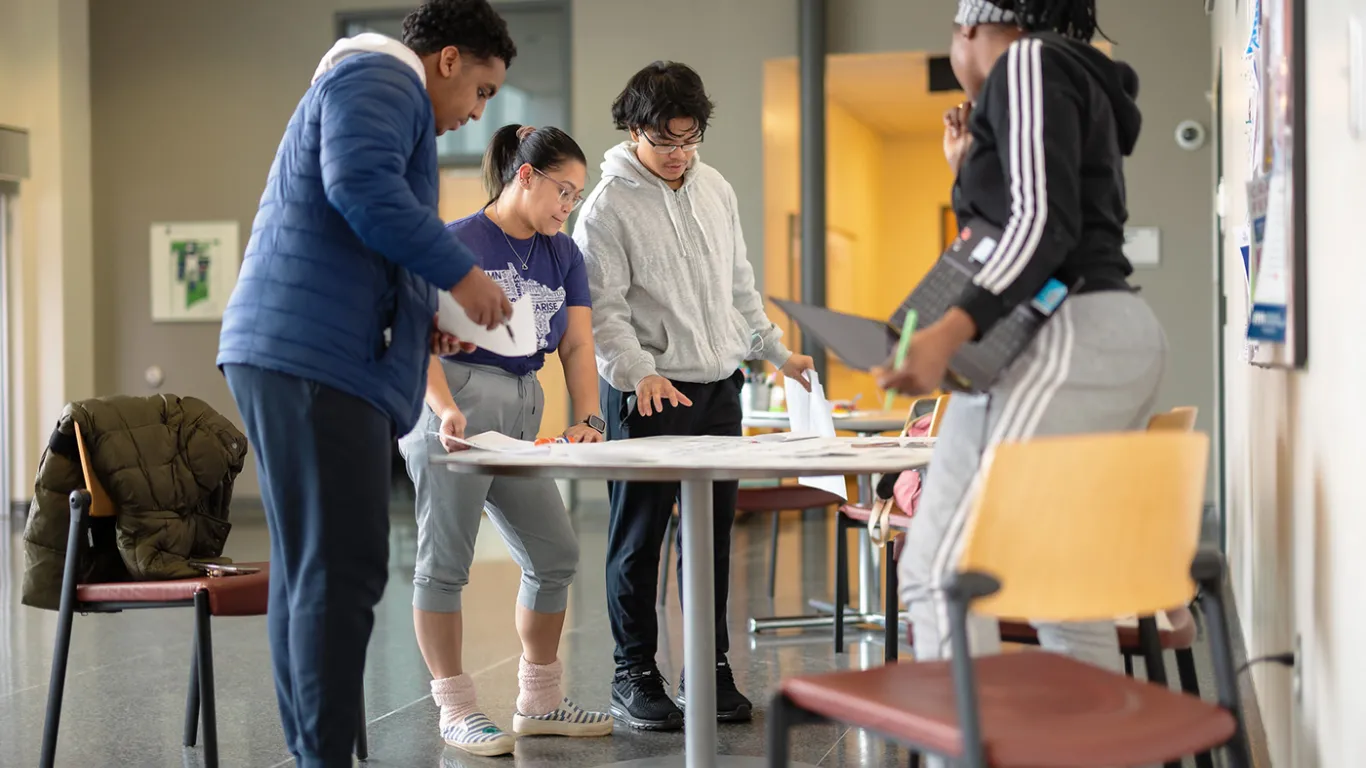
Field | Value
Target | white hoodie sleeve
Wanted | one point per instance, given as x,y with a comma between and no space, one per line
748,299
621,360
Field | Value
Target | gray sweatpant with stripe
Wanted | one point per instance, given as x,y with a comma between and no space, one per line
528,513
1094,367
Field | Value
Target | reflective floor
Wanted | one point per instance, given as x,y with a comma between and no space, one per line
125,693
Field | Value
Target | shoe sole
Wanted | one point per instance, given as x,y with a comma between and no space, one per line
528,726
622,716
742,714
495,748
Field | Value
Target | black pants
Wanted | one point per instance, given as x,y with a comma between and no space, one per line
640,516
324,464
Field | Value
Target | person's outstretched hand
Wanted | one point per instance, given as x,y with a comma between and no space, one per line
452,425
957,139
796,368
927,359
443,344
483,300
651,393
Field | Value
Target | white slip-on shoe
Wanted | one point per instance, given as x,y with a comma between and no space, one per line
568,719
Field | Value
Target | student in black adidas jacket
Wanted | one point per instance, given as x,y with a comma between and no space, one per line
1039,152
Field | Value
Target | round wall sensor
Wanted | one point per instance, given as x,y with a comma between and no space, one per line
154,376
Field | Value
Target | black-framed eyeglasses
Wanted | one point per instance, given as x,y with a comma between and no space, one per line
661,148
567,194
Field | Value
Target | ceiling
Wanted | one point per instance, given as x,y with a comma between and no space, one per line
888,92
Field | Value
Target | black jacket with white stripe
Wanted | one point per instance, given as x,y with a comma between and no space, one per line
1050,130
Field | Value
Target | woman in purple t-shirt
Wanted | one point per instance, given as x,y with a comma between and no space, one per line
535,178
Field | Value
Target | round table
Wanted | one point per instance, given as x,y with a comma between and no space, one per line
689,462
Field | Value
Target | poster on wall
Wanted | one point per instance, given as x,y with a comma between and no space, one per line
1278,259
194,269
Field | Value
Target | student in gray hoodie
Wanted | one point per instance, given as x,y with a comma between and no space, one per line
675,313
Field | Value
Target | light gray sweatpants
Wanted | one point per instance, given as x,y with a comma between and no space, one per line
529,513
1094,367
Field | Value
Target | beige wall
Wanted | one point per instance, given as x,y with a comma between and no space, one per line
45,88
190,100
1296,440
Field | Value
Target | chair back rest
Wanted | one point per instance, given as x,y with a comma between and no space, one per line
1075,528
941,403
100,503
1179,419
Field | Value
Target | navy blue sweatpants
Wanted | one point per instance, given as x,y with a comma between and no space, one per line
324,463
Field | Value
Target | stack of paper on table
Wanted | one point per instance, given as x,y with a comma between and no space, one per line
521,342
496,442
809,413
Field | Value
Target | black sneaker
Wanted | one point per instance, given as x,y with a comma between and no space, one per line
640,701
731,705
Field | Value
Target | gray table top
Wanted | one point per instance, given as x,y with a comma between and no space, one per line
664,459
863,422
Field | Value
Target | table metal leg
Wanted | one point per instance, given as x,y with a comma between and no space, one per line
869,590
699,622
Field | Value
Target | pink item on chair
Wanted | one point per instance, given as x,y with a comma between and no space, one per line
906,492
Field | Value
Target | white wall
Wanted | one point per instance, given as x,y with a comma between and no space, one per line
45,88
1297,506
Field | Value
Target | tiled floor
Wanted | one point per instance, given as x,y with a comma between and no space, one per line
126,682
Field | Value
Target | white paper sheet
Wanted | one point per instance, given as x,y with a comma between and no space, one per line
496,442
452,319
810,414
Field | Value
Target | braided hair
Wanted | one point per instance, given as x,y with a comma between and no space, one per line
1075,19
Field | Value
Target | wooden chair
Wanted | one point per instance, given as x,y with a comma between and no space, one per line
244,595
850,516
1038,505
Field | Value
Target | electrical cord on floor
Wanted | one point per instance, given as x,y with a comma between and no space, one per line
1286,659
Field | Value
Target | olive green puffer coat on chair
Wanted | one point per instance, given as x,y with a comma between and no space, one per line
168,464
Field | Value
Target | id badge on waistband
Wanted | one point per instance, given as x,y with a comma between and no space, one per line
1050,297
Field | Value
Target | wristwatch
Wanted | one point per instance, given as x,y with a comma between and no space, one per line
595,421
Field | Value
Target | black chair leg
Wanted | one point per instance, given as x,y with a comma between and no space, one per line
66,614
1129,664
666,559
362,738
841,577
914,760
208,712
779,722
773,559
192,698
891,621
1190,683
1153,661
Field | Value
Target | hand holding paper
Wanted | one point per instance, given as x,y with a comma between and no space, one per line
809,413
521,342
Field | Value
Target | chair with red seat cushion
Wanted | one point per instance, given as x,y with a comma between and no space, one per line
238,595
1029,710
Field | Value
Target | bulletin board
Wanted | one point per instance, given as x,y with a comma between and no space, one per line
1276,260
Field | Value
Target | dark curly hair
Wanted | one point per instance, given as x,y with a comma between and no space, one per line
469,25
662,91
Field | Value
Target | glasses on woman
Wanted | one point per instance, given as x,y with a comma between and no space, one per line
661,148
567,194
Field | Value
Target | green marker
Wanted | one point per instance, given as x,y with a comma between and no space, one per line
902,347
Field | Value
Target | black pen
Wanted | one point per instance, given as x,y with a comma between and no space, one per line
511,335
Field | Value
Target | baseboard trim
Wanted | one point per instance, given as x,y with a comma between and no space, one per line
1252,711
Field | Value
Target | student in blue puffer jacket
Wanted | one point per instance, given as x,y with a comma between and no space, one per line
326,339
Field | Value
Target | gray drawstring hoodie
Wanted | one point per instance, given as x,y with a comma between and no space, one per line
673,292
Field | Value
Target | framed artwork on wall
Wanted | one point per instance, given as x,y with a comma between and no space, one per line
1278,268
194,269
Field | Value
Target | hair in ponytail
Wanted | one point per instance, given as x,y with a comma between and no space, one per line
513,146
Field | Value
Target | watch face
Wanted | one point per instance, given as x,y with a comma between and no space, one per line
597,423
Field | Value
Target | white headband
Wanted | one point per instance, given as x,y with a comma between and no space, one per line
974,12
